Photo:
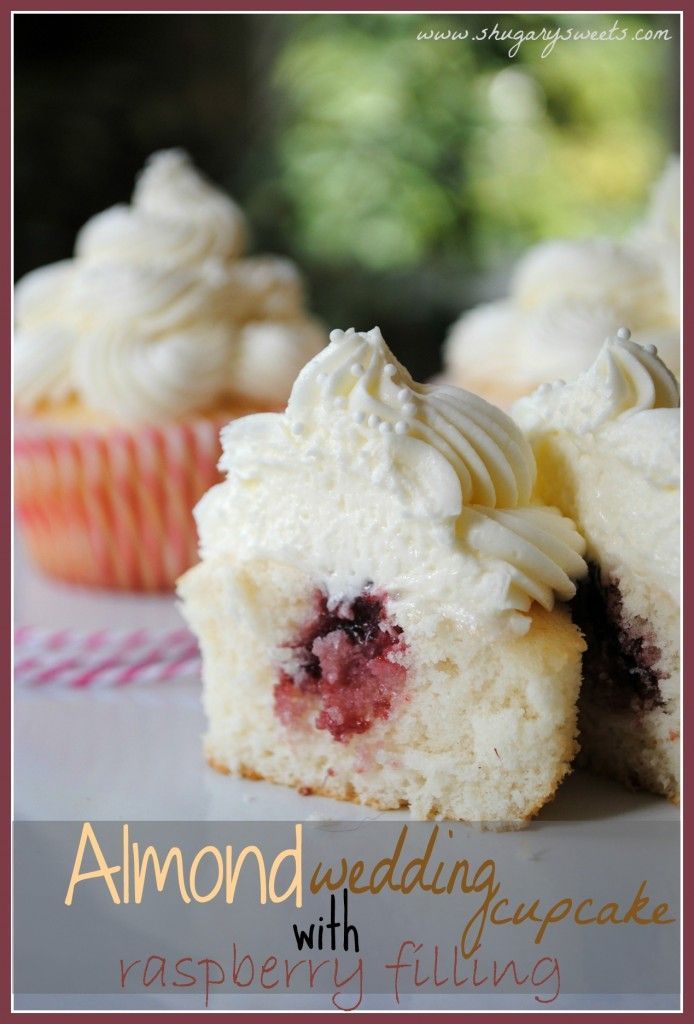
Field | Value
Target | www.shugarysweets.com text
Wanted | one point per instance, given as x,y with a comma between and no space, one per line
549,37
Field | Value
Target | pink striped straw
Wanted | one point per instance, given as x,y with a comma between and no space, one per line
73,659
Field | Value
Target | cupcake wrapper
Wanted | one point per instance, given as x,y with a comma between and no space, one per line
114,509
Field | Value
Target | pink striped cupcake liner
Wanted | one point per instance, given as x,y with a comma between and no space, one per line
114,508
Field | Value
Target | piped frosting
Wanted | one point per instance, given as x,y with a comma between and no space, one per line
358,376
157,316
360,441
625,379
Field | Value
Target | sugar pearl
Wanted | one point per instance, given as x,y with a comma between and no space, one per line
359,416
356,369
385,428
374,420
297,428
409,408
401,427
389,370
652,349
624,334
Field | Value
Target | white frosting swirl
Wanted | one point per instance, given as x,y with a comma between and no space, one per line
156,303
566,298
172,375
361,442
149,320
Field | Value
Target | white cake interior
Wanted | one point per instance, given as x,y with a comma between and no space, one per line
481,731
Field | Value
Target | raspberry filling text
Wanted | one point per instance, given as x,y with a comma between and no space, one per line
343,666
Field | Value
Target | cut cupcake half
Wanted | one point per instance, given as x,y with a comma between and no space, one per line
607,449
377,598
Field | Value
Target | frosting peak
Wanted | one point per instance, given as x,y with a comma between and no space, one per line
624,380
175,217
357,373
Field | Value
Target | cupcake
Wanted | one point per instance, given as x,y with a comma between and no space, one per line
607,451
379,598
128,358
568,296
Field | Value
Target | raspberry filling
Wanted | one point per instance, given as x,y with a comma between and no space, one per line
343,667
620,664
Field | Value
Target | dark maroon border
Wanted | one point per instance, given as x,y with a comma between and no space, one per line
5,514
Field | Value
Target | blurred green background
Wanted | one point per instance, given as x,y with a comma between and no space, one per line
402,175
